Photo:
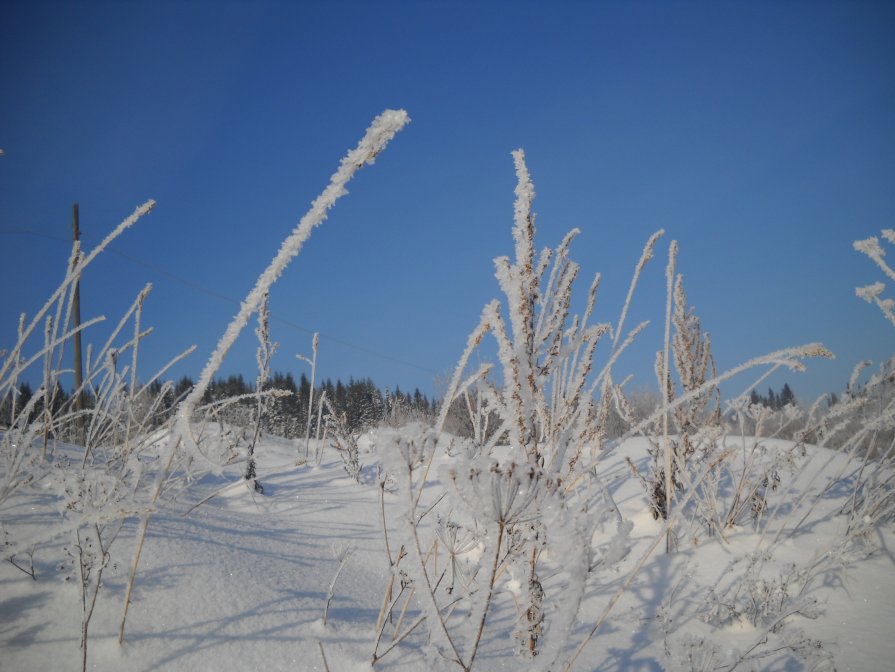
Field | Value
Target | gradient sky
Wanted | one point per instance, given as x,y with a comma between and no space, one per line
761,136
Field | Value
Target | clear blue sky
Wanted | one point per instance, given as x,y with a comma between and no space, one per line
761,136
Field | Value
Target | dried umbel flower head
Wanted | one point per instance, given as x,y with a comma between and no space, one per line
506,495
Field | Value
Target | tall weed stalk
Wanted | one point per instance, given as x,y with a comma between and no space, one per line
378,135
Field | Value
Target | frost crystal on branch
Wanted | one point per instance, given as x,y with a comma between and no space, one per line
870,292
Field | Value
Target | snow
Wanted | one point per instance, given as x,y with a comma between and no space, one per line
241,581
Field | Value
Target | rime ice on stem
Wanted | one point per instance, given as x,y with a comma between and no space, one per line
871,293
378,135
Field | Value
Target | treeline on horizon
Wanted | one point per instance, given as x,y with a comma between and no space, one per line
361,401
359,405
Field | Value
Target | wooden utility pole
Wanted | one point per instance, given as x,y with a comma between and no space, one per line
76,322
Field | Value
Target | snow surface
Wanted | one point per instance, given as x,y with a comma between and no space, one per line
240,583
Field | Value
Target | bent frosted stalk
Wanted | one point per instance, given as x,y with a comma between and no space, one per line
378,135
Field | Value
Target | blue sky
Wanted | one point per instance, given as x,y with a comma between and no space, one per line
761,136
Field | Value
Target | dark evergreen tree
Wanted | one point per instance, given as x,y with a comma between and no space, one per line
339,398
183,386
25,394
786,396
22,395
304,398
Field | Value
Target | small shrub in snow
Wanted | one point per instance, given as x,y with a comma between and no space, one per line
343,440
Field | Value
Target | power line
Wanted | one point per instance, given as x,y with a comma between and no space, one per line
195,286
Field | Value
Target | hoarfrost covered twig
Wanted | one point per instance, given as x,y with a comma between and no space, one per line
378,135
342,554
70,277
380,132
315,341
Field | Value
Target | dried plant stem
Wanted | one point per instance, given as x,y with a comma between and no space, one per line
141,538
378,135
313,363
395,643
388,604
97,584
488,596
421,561
323,655
385,608
30,572
400,620
388,551
73,273
787,357
332,585
666,382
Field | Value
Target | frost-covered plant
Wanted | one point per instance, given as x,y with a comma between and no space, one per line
687,432
263,355
867,414
312,362
675,459
526,506
755,588
181,439
341,553
551,408
871,293
25,446
751,589
545,398
860,424
343,439
691,653
745,593
495,538
544,408
98,480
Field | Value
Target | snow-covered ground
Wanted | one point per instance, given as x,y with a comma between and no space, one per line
241,581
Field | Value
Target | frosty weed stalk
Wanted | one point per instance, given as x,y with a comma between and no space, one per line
377,137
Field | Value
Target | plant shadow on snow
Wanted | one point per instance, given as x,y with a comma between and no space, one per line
220,535
166,576
643,622
12,633
253,624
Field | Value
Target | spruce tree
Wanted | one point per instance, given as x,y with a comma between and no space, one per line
787,396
